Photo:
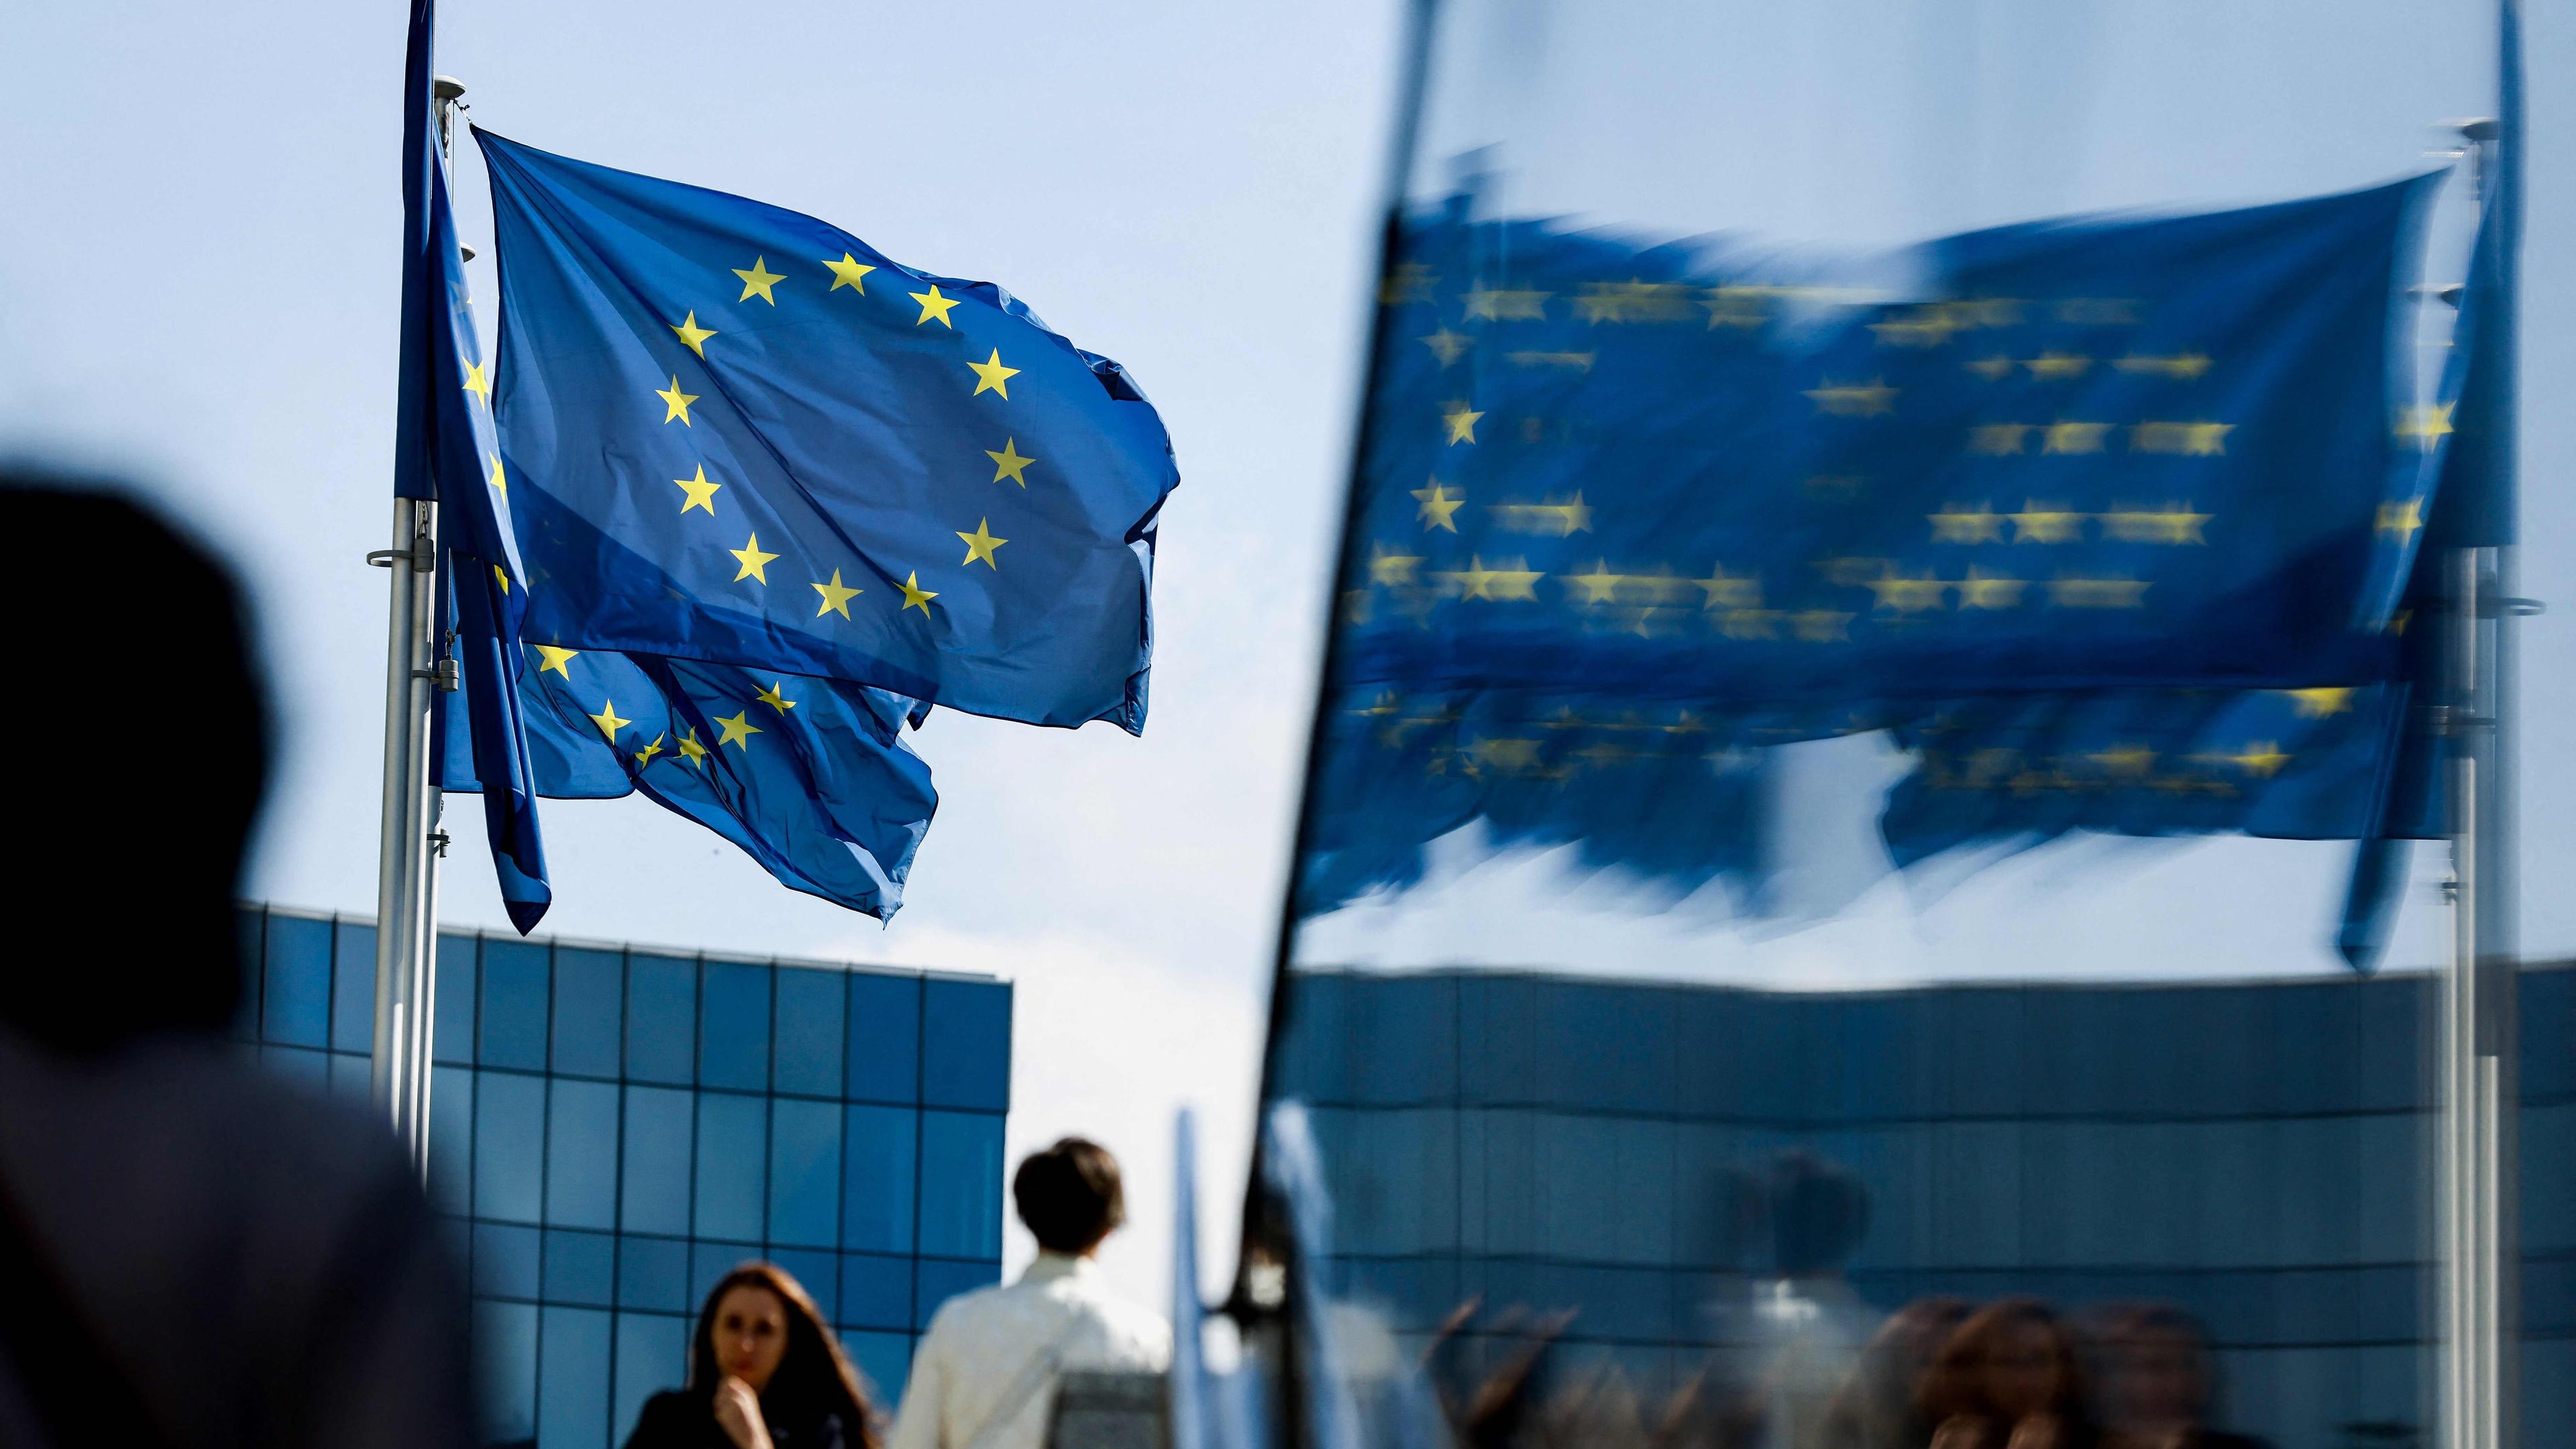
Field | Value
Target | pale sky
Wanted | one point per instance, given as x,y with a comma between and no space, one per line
198,288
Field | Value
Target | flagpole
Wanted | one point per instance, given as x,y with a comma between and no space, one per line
410,842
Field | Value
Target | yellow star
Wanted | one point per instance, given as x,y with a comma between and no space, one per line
1821,626
2046,523
677,401
694,335
917,597
1390,569
2174,523
836,599
1009,464
755,564
2070,593
691,750
478,382
2075,437
645,755
1599,586
847,273
992,376
1908,595
2261,758
2400,520
775,696
2125,759
551,657
1984,590
1853,399
702,494
736,731
1476,581
981,543
1730,591
1446,345
1997,440
607,720
1438,507
934,305
758,281
1954,524
2053,365
1462,422
2423,424
500,481
2319,703
2185,366
504,578
1992,369
1505,305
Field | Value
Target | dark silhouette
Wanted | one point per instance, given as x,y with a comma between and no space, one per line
192,1252
2008,1379
1880,1405
2158,1383
764,1373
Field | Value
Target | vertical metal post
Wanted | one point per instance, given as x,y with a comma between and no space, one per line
414,561
2467,1164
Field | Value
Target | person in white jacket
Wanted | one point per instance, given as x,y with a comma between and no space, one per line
984,1376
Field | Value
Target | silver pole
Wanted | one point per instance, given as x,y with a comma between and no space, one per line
2467,1163
412,560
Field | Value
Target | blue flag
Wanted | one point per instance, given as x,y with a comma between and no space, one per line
445,452
744,436
2059,455
810,777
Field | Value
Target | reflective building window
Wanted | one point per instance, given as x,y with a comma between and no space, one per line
611,1130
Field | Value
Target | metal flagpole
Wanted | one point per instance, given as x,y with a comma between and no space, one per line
409,840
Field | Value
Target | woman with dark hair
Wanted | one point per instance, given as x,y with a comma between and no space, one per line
764,1373
2160,1384
2008,1379
1880,1405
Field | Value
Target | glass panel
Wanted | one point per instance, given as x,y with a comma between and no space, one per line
809,1032
877,1163
352,1077
295,993
452,1037
819,1274
505,1359
876,1291
884,1362
804,1172
590,989
733,1041
509,1146
505,1261
733,1145
581,1268
711,1261
661,1019
353,987
652,1355
451,1139
961,1184
572,1407
653,1273
884,1037
249,922
939,1279
657,1156
966,1044
581,1154
308,1069
514,1005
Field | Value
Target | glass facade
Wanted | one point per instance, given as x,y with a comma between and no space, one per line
613,1128
2259,1155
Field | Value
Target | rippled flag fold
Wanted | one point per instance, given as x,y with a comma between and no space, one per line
445,452
746,437
809,777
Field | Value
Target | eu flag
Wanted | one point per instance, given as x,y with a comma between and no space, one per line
744,436
810,777
445,452
2059,455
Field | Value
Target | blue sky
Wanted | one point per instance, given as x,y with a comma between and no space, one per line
198,288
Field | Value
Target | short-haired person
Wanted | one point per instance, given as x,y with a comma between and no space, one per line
192,1252
984,1375
764,1373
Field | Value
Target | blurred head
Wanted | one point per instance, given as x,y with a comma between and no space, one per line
1879,1399
2156,1363
1069,1196
760,1326
1819,1213
2007,1361
131,664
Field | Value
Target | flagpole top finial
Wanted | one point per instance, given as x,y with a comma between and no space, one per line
2478,128
445,88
